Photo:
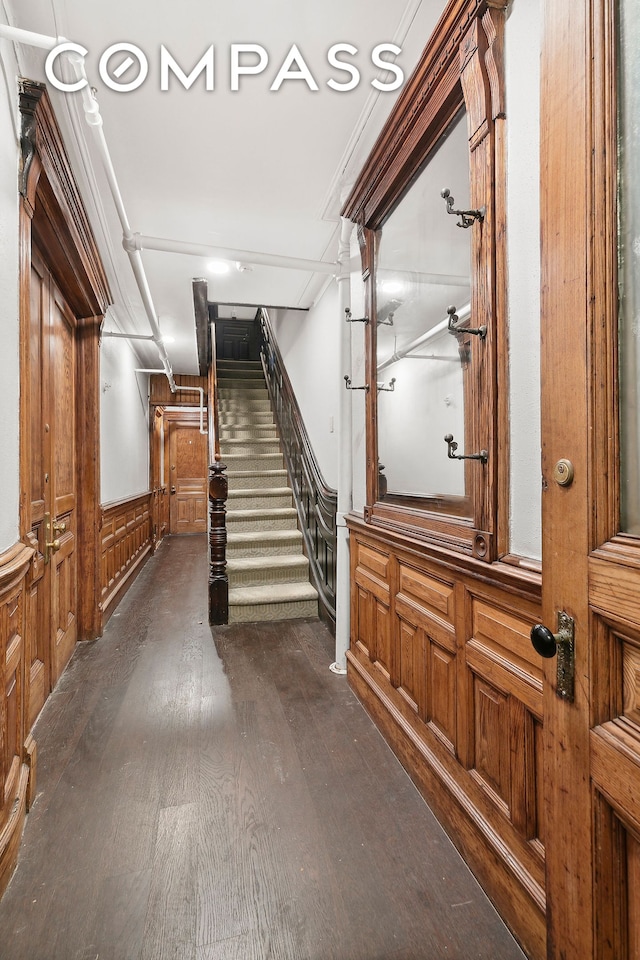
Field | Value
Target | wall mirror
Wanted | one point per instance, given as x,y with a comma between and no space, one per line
422,269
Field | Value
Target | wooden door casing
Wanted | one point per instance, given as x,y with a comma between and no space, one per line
188,477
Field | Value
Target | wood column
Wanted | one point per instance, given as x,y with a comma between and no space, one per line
218,580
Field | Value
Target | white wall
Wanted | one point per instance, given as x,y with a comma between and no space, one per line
124,423
9,303
309,344
522,52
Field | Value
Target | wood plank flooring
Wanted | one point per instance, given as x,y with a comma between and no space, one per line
218,794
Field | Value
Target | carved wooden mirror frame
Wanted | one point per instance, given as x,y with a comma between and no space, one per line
461,68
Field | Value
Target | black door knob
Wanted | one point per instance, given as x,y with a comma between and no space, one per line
544,642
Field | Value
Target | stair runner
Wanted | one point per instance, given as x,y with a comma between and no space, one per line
267,569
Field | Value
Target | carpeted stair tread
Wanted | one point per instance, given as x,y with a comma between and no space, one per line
267,569
249,571
265,520
263,513
253,480
254,498
252,444
273,593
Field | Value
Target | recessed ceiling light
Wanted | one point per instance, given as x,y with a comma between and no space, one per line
218,267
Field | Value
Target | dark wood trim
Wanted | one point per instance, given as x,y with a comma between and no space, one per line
218,579
201,313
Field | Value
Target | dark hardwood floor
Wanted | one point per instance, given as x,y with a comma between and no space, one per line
210,794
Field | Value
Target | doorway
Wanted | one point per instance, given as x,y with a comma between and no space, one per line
63,297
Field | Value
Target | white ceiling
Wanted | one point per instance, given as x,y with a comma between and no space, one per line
255,170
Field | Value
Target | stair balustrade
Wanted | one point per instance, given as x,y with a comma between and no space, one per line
315,502
218,492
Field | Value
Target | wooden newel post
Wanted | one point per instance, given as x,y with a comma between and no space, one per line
218,580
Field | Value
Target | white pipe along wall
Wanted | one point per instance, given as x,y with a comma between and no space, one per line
343,574
94,119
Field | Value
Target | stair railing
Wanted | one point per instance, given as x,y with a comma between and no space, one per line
218,491
315,502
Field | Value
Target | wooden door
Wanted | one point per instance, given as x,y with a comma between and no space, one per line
591,553
53,478
188,478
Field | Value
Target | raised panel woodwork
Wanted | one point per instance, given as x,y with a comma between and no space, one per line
160,392
454,680
382,633
491,730
631,681
125,544
441,700
377,563
411,665
633,894
435,596
14,766
617,885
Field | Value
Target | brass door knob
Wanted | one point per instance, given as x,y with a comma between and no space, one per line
59,526
54,545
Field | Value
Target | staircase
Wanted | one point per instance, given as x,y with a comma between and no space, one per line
268,572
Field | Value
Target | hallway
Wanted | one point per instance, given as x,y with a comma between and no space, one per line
203,799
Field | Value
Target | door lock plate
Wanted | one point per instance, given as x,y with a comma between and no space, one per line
566,657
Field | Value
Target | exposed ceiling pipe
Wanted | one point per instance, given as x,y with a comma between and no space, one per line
29,38
439,328
140,242
94,119
127,336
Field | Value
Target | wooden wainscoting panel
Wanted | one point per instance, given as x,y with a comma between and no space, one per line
160,391
14,769
411,669
441,698
434,595
631,681
441,658
492,734
126,544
